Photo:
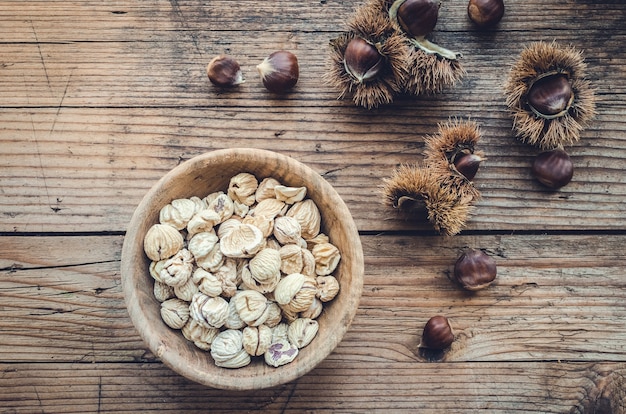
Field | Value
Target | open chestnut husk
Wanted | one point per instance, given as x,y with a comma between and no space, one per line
485,13
417,191
549,97
475,270
437,333
368,61
554,168
452,153
431,67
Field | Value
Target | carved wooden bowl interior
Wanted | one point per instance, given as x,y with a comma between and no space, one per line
201,176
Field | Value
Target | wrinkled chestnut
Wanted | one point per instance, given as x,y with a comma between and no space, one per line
279,71
485,13
475,270
467,164
224,71
362,60
554,168
418,17
551,96
437,333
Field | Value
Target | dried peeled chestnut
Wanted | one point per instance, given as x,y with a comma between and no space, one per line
554,168
223,70
362,60
485,13
475,270
279,71
437,333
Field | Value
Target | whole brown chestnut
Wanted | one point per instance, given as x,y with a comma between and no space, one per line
417,17
554,168
485,13
362,60
467,164
279,71
475,270
224,71
437,333
551,96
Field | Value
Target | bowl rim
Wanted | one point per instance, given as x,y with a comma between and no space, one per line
235,379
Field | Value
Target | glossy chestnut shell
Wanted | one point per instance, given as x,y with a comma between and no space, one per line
418,17
224,71
554,168
362,60
467,164
279,71
551,96
437,333
475,270
485,13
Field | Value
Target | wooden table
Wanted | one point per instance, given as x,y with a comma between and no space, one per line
100,99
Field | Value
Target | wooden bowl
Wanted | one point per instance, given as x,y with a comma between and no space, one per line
201,176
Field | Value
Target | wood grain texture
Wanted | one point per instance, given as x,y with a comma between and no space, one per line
534,387
98,100
94,95
540,308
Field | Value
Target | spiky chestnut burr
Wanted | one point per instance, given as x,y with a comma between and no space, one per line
429,73
431,67
452,154
550,99
418,191
369,43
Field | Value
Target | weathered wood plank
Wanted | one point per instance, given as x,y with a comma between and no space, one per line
527,387
556,298
75,111
172,73
97,21
121,154
82,170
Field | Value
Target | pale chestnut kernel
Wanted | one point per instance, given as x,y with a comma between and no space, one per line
162,241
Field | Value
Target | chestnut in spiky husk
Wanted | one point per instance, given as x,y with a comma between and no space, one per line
416,17
452,154
368,62
548,95
431,67
362,60
418,191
